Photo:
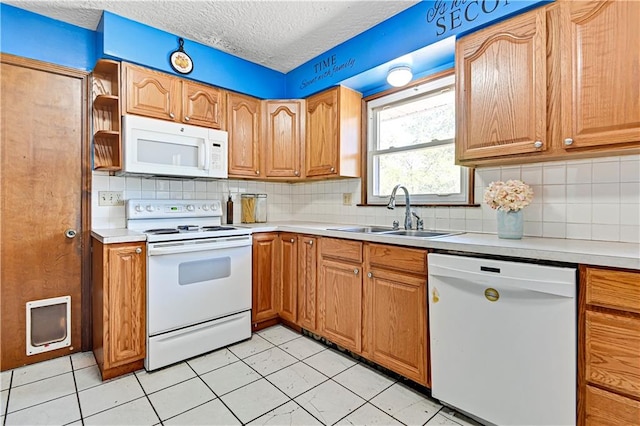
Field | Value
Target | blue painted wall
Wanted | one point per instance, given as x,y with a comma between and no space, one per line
152,48
33,36
395,41
422,36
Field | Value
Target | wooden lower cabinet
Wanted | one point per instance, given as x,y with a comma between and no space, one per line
307,281
119,307
340,292
395,310
266,279
289,277
609,347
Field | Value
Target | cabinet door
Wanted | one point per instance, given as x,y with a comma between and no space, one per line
321,152
282,149
289,277
501,89
600,64
340,303
151,93
201,105
266,272
606,408
243,125
125,310
307,280
396,322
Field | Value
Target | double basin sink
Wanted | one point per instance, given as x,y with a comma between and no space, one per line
383,230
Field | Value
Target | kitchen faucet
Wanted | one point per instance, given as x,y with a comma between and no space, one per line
392,204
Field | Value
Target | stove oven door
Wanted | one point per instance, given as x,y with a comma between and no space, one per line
191,282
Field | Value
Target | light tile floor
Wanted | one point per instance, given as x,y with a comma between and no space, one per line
278,377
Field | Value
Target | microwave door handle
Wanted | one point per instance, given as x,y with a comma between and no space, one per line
205,156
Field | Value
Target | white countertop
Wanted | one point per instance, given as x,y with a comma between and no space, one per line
598,253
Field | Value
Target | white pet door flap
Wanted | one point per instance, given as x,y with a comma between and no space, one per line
48,324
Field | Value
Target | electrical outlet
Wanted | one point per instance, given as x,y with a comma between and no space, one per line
110,198
346,198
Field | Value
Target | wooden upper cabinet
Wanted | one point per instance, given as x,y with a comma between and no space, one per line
202,105
501,89
151,93
283,124
159,95
243,125
332,145
600,49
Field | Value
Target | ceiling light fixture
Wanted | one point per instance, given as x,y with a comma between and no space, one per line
399,76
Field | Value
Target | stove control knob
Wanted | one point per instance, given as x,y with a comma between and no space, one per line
214,207
205,207
139,208
150,208
190,207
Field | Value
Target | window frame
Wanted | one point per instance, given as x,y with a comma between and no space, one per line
425,85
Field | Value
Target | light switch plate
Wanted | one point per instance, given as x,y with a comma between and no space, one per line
110,198
346,198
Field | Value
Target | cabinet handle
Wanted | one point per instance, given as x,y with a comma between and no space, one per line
172,115
138,250
333,169
568,141
310,242
355,271
296,173
370,275
186,119
537,144
257,172
292,240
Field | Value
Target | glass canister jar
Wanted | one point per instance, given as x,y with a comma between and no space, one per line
247,208
261,208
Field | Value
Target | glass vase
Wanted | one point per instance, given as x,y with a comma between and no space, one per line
510,224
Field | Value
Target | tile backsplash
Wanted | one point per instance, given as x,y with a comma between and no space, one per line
594,199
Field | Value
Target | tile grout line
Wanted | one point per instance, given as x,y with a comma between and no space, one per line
75,385
219,397
6,408
148,399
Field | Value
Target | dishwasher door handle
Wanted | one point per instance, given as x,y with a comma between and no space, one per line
556,288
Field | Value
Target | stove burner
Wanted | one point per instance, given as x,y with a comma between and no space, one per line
160,231
188,227
218,228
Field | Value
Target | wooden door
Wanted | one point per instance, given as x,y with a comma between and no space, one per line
340,303
501,89
600,49
396,322
243,125
321,152
266,272
150,93
282,148
202,105
289,277
44,166
307,281
125,307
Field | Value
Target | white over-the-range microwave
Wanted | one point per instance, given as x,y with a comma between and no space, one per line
155,147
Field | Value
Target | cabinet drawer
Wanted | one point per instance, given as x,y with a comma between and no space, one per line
613,289
613,352
398,258
341,249
606,408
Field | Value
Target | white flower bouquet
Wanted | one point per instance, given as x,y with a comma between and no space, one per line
512,195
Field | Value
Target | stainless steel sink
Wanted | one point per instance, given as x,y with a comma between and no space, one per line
385,230
365,229
422,234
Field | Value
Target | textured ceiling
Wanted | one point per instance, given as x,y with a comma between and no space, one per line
280,35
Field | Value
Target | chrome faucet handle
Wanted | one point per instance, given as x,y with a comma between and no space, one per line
396,225
419,222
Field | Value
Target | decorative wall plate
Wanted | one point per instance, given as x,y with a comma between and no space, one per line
180,61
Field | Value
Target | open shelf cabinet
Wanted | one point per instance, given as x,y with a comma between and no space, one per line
107,152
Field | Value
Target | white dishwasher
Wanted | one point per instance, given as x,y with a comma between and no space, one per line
503,339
